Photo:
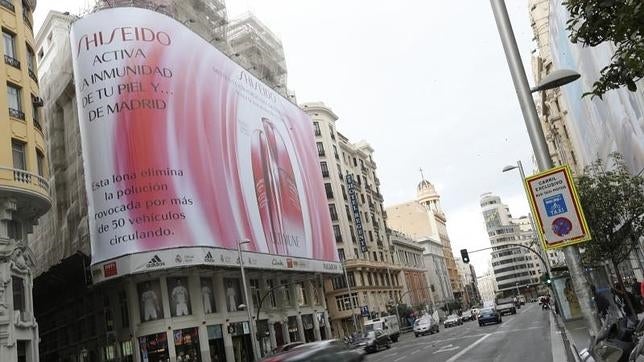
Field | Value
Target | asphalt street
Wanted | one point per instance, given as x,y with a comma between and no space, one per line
521,337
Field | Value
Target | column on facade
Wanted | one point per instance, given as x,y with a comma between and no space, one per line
220,302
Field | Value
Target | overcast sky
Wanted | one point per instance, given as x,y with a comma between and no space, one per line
424,82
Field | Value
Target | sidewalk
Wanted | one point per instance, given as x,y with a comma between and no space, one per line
577,334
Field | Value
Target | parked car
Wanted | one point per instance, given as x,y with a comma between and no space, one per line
425,325
468,316
373,341
286,347
452,320
333,350
489,315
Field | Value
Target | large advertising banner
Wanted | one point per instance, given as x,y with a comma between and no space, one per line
182,147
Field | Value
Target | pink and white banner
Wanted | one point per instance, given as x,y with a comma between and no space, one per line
184,148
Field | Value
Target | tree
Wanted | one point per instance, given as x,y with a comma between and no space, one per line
612,200
593,22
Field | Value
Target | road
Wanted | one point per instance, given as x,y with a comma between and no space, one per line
521,337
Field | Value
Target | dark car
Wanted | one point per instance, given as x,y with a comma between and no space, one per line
489,315
331,350
373,341
287,347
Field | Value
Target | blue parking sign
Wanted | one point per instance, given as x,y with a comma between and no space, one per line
555,205
364,311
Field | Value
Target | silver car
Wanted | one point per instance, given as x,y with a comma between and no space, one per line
425,325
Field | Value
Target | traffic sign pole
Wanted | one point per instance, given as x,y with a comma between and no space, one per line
541,152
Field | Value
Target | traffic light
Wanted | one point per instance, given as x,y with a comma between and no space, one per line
465,256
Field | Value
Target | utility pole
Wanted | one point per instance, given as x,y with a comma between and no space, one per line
541,153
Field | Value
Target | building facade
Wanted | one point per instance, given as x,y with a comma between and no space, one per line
471,295
514,268
24,189
355,204
137,317
425,220
487,287
409,255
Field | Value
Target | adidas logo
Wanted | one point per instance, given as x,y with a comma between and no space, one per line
155,262
208,258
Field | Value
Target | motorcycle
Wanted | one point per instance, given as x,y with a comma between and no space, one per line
620,339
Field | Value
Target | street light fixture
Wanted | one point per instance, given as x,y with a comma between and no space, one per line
250,317
556,79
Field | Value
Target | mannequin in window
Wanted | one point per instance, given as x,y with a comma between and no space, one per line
180,299
150,303
231,294
206,294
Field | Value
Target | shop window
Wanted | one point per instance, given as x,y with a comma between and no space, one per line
207,296
154,347
233,294
307,323
150,300
179,296
293,330
22,350
216,343
186,344
242,343
127,351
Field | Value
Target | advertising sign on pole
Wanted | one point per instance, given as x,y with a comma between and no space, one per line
555,204
186,149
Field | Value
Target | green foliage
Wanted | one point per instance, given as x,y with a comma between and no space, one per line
613,202
621,22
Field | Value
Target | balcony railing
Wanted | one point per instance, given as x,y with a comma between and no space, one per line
7,5
11,60
16,113
33,75
27,177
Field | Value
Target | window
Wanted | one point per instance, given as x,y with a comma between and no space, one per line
255,291
271,287
335,153
316,127
329,190
125,314
337,233
333,212
332,135
346,208
14,102
19,159
10,54
340,172
34,115
31,63
344,192
40,158
341,255
14,230
369,279
286,289
325,169
18,288
352,279
375,256
320,148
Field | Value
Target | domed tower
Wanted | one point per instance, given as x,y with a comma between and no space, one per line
427,196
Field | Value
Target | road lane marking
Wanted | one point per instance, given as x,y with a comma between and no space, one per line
415,351
399,358
447,348
467,349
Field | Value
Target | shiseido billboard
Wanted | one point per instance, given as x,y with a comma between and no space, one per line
183,148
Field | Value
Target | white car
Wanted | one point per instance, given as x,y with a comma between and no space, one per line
425,325
452,320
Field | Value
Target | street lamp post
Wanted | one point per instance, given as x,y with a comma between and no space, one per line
250,316
539,145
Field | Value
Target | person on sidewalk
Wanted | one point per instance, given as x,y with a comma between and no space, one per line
601,302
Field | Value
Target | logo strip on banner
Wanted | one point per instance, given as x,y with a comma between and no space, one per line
356,212
555,204
182,257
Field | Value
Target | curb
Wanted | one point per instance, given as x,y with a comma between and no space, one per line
562,348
